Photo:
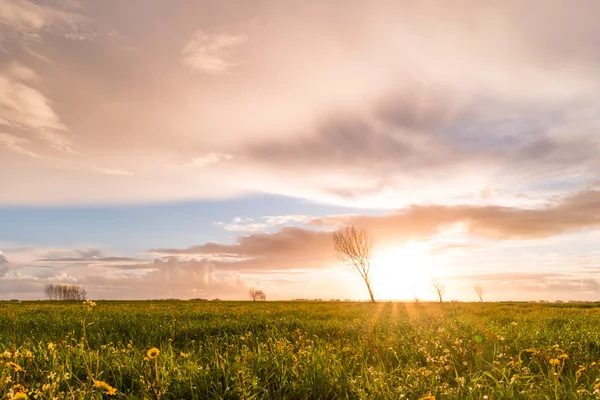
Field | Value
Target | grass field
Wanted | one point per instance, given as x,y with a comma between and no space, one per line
245,350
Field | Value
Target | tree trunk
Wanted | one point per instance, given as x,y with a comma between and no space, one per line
370,291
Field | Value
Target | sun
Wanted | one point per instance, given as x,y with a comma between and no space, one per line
402,273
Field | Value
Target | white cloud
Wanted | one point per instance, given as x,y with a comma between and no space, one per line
210,159
15,144
211,54
28,19
110,171
24,107
284,219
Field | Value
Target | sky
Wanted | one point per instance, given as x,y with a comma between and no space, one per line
197,149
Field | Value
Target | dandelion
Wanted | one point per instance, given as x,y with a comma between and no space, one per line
18,388
153,352
105,387
14,366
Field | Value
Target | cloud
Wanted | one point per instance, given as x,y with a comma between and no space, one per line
288,248
211,54
303,248
99,260
28,20
209,159
3,259
572,214
106,278
380,106
244,224
24,107
15,144
110,171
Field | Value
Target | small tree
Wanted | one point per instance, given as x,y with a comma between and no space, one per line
257,295
261,296
353,247
479,290
439,287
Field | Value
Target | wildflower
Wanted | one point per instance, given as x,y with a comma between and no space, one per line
20,396
153,352
89,303
427,398
563,356
18,388
109,390
554,361
15,367
182,354
578,372
51,346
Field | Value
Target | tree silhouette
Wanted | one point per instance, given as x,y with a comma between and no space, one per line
479,290
353,247
439,287
257,295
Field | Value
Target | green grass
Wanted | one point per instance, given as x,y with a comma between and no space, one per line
244,350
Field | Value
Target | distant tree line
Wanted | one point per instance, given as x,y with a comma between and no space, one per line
65,292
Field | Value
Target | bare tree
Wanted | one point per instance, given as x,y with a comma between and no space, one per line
49,292
439,287
261,296
353,247
479,290
65,292
417,300
257,295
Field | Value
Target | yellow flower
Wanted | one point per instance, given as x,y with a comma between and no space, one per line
20,396
14,367
563,356
427,398
105,387
554,361
18,388
578,372
182,354
153,352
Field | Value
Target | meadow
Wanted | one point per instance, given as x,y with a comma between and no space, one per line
298,350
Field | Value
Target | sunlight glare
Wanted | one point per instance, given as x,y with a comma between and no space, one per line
402,273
